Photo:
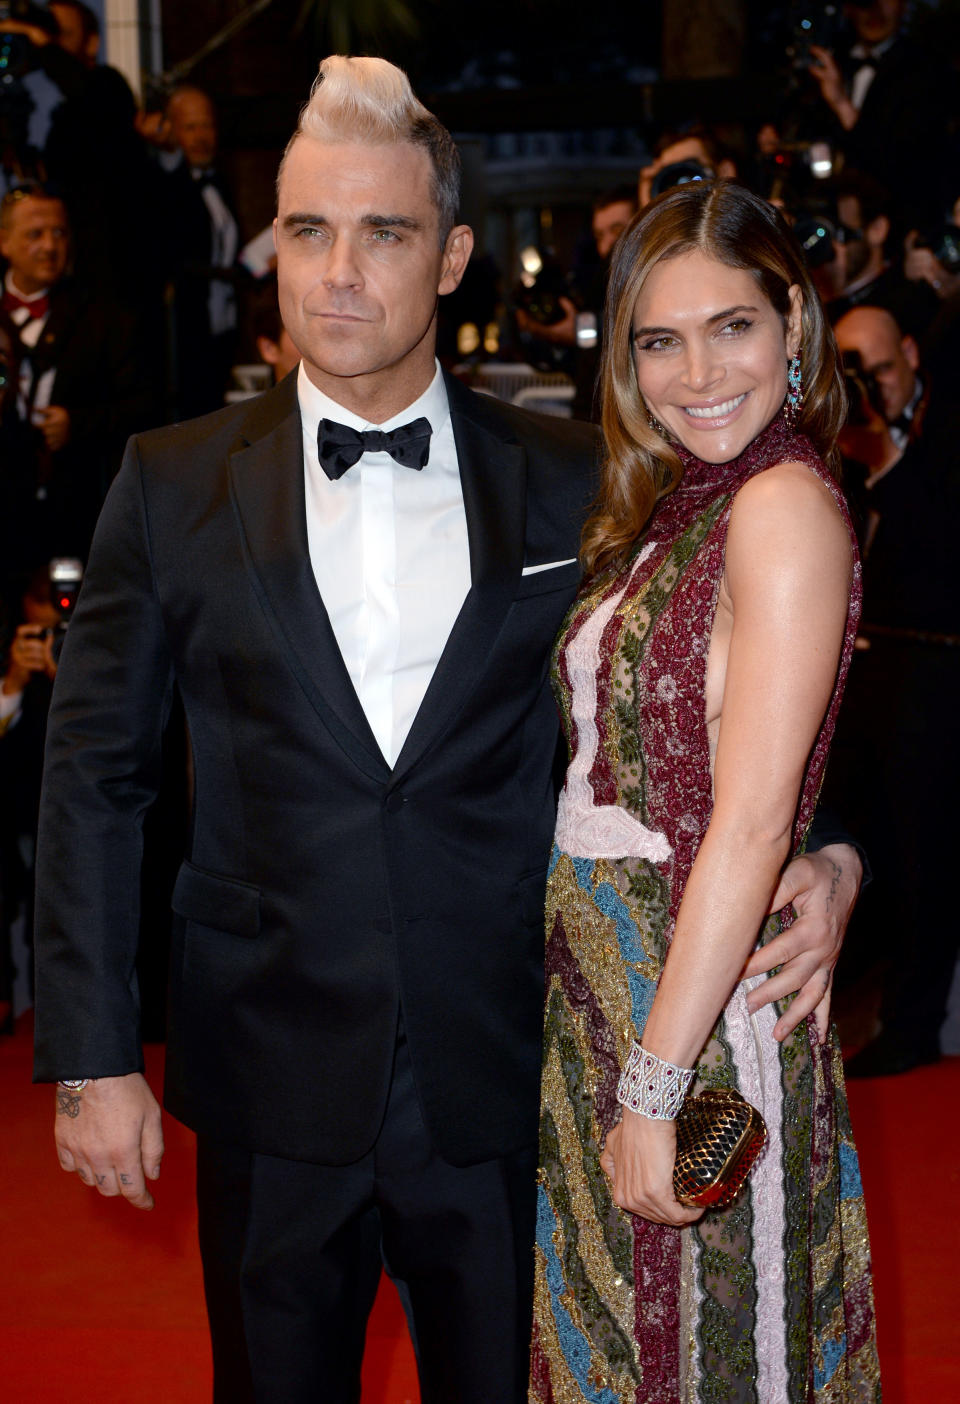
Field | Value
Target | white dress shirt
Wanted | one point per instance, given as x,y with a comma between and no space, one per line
390,554
863,76
38,396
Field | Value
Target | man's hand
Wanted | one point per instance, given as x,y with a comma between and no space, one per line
30,652
110,1134
37,36
823,888
562,333
920,265
823,67
54,424
154,127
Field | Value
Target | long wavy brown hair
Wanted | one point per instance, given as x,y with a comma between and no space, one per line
730,224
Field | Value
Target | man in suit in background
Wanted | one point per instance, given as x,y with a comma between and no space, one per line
898,749
83,386
202,245
355,581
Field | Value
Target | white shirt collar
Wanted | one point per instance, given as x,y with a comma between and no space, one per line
873,51
11,287
315,405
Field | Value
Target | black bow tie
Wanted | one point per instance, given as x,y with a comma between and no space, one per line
340,447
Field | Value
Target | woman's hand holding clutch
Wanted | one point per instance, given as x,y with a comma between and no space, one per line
638,1158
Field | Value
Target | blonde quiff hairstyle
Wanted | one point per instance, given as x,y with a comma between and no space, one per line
729,223
370,100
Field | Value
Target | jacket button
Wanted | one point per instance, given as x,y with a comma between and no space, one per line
395,802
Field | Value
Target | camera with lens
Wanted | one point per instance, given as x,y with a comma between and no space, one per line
819,24
679,173
864,402
541,286
819,233
944,243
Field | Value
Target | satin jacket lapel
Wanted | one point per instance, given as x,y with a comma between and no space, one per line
266,471
493,475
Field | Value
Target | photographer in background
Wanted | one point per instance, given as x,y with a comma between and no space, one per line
30,657
578,322
868,274
691,146
93,151
897,758
891,104
933,261
25,690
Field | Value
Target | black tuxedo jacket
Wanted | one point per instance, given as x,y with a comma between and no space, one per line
103,377
321,891
902,134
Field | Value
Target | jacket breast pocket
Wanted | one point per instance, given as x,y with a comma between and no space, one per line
226,904
543,582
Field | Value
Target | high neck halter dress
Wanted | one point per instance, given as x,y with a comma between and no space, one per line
770,1300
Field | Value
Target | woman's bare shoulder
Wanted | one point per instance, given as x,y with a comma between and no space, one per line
790,494
787,524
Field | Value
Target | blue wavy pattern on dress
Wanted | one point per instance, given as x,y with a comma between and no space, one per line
851,1186
608,900
833,1353
573,1343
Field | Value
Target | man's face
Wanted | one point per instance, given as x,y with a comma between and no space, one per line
359,269
609,223
35,243
70,34
193,125
889,358
877,21
40,612
860,258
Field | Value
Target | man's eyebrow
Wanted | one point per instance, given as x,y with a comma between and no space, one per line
371,221
391,221
298,217
715,317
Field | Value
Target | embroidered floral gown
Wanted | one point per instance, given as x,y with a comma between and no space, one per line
770,1300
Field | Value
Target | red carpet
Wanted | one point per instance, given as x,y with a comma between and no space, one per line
100,1302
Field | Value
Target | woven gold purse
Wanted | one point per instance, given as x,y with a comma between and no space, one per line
719,1136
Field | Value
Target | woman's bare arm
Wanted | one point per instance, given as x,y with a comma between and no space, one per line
786,582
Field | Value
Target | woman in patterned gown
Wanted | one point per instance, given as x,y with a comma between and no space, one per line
699,675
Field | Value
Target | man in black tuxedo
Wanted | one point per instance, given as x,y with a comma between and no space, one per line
898,749
894,105
83,386
202,242
354,581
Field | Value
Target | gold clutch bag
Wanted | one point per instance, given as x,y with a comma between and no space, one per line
719,1136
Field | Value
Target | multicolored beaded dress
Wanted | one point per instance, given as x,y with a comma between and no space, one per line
770,1300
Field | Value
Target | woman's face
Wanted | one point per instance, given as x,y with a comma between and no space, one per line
711,353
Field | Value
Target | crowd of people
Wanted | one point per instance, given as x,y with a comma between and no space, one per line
361,655
108,324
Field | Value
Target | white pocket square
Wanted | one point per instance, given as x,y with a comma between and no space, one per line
548,565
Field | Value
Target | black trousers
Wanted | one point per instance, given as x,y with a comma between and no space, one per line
292,1254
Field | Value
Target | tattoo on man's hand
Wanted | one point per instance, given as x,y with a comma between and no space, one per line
68,1103
834,881
126,1180
101,1179
84,1176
